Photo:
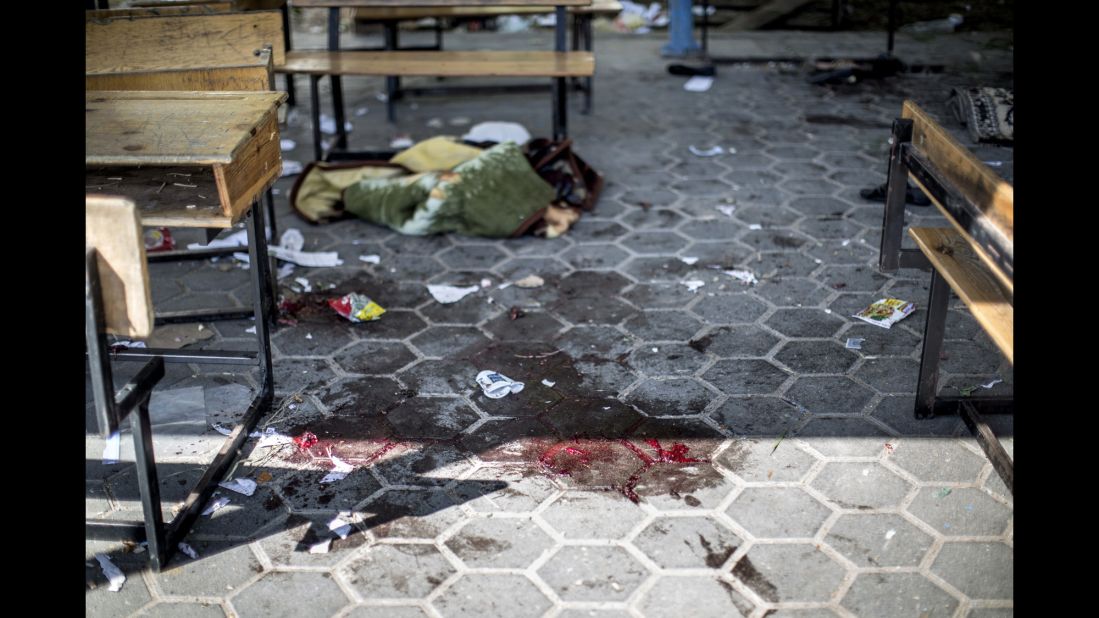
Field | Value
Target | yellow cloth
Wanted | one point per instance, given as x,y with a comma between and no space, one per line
438,154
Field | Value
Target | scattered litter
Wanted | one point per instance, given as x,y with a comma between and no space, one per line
401,142
889,448
530,281
222,429
730,150
780,439
361,111
942,493
854,343
176,336
486,282
340,470
828,311
304,283
459,121
992,383
287,144
371,259
727,210
113,574
435,123
112,449
698,83
890,534
340,527
818,261
309,259
187,549
498,132
548,383
328,125
886,312
496,385
291,168
292,240
515,313
966,391
306,440
689,261
993,163
356,308
126,343
241,486
320,548
755,226
250,330
693,284
381,96
270,437
158,239
285,271
655,350
264,477
447,294
709,152
215,504
846,241
744,276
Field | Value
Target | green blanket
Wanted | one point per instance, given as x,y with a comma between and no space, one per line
495,194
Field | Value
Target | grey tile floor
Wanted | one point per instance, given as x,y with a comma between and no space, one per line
709,453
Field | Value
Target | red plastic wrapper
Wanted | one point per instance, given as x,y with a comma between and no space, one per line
306,440
158,239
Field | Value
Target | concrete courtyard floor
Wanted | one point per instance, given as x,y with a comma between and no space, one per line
675,453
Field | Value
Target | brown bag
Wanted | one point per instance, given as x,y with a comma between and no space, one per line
576,182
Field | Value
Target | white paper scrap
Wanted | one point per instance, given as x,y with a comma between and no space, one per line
236,239
689,261
286,144
693,284
744,276
113,574
241,486
309,259
340,527
486,282
112,449
371,259
215,505
222,429
992,383
709,152
727,210
530,281
755,226
400,142
292,239
187,549
548,383
304,283
340,470
447,294
698,83
320,548
855,343
250,330
291,168
361,111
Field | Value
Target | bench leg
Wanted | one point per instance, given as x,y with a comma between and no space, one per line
560,84
392,82
336,81
149,485
262,301
291,100
587,80
933,333
994,450
893,217
315,112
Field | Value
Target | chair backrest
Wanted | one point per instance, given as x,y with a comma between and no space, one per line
129,44
112,227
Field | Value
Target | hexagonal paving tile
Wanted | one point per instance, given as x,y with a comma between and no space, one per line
431,418
778,512
673,597
440,341
280,593
829,395
852,485
593,573
393,325
530,326
897,594
962,511
896,411
496,595
288,542
592,418
879,540
299,374
797,572
499,543
471,257
374,357
408,513
736,341
805,322
853,278
784,291
442,377
666,359
820,356
687,542
423,463
844,437
890,375
818,206
663,326
979,570
757,416
362,397
670,396
180,610
222,564
969,357
397,571
594,257
509,489
589,515
470,310
765,459
729,309
745,377
938,460
312,340
302,490
387,611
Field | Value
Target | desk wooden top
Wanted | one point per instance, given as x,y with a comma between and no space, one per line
403,3
171,128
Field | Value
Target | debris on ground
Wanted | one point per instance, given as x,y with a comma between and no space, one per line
548,383
640,19
340,470
698,83
531,281
340,527
112,449
246,487
709,152
287,144
755,226
291,168
215,504
744,276
158,239
854,343
264,477
496,385
498,132
361,111
689,261
515,313
966,391
886,312
328,125
400,142
447,294
176,336
435,123
944,492
222,429
187,549
113,574
371,259
693,284
356,307
726,210
306,440
304,283
320,548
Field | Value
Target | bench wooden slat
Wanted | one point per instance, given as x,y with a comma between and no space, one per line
952,256
445,63
170,128
379,13
112,226
181,41
375,3
255,76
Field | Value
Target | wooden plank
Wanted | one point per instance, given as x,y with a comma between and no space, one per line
442,63
328,4
255,77
171,128
380,13
173,3
763,15
951,255
184,41
112,226
976,181
208,8
164,194
255,167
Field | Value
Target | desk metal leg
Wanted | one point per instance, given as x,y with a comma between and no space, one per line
893,217
336,80
315,113
588,46
392,82
560,84
291,100
149,485
933,333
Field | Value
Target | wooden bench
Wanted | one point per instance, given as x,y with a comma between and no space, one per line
973,257
336,64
